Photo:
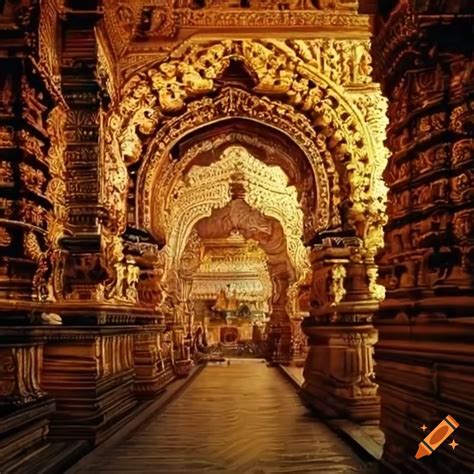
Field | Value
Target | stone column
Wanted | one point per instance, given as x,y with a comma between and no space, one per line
424,360
339,373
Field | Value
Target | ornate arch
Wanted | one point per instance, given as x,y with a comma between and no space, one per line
284,70
158,167
266,190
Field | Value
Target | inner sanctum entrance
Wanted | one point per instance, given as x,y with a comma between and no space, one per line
234,255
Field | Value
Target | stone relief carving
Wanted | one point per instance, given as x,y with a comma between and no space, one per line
238,103
193,71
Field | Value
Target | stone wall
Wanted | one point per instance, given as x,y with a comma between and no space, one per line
425,355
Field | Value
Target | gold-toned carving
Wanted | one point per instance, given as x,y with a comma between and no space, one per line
31,145
106,68
192,256
115,179
337,290
148,19
32,213
42,288
5,237
33,107
48,33
6,136
236,262
33,179
158,20
323,211
6,173
56,192
277,69
350,5
123,274
376,290
113,355
6,208
266,190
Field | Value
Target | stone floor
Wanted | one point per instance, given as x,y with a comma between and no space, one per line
369,438
241,418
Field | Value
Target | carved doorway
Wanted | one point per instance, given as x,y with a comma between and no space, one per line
251,196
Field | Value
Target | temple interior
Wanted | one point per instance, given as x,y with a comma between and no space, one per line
237,236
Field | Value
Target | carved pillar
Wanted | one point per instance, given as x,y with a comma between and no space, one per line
26,204
31,107
423,363
339,373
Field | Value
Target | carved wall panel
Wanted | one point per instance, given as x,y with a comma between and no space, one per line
162,23
427,265
20,372
151,96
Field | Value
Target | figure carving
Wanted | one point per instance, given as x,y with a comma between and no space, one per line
336,283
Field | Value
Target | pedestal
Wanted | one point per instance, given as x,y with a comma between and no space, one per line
89,371
338,372
25,408
153,368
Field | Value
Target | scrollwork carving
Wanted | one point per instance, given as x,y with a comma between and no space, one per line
278,70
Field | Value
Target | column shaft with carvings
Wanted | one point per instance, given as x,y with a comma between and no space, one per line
424,360
28,100
339,372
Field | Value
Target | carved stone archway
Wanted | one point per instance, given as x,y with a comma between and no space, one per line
263,194
339,126
158,164
266,190
237,215
282,69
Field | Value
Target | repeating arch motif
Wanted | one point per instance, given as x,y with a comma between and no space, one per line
280,70
158,167
267,191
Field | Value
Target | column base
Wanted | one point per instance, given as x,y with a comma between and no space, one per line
23,429
90,374
338,372
364,411
152,371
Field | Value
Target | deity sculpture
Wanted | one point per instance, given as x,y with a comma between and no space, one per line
226,300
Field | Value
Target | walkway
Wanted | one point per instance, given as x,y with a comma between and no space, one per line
242,418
